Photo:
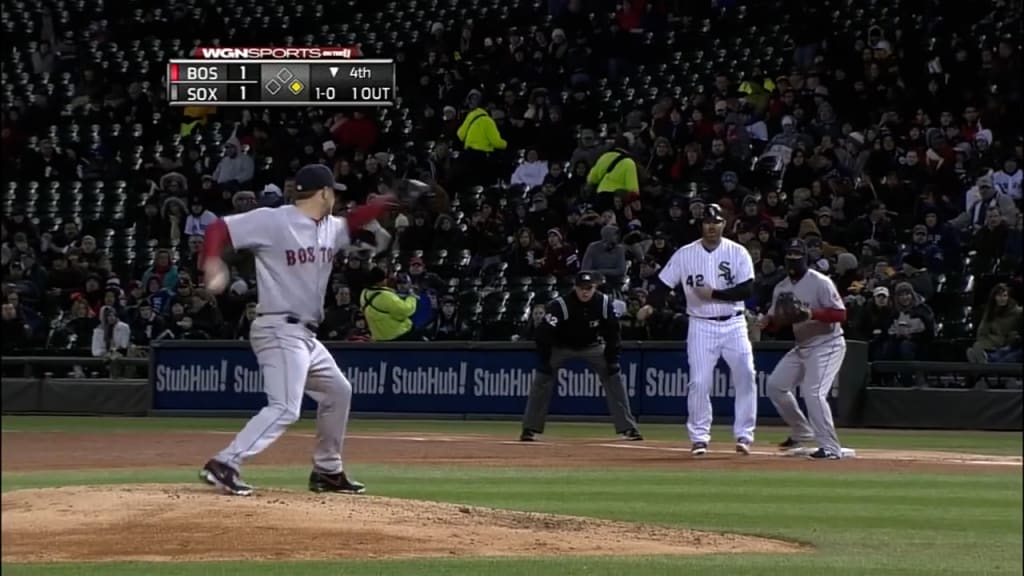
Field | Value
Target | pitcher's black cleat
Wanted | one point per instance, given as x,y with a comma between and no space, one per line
340,482
631,435
527,435
219,474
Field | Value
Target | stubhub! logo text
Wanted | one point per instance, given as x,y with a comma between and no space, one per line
192,378
676,383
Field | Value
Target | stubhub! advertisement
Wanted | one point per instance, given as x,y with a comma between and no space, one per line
443,380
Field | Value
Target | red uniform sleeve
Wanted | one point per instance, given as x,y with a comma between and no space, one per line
362,215
217,238
830,315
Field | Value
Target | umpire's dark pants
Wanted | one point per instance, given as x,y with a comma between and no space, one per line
543,385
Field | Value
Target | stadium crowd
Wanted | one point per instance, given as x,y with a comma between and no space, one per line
555,137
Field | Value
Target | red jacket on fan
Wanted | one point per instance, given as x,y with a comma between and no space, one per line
356,133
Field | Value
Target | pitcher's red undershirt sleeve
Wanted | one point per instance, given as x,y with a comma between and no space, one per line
362,215
832,315
216,239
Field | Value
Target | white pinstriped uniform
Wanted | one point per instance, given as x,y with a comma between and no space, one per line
717,329
813,363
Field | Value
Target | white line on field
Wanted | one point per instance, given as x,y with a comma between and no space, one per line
785,454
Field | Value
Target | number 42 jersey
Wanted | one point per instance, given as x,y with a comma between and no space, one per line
693,266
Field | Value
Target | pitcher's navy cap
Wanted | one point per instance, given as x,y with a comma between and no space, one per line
313,177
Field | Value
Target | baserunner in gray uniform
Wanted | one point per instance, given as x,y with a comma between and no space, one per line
814,362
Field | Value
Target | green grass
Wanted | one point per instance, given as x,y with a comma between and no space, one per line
893,523
999,443
922,524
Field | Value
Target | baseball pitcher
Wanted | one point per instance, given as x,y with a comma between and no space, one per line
294,246
809,301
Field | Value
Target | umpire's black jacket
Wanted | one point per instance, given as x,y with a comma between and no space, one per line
575,325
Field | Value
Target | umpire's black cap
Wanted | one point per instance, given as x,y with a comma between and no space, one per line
713,213
586,279
796,248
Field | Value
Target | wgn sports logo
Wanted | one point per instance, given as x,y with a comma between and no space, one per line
725,273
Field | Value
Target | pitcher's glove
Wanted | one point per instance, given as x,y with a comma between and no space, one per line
789,310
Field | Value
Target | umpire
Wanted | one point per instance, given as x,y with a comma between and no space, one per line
581,324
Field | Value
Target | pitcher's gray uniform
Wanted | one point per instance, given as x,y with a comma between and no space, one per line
294,246
813,363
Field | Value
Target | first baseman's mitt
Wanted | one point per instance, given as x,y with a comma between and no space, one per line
790,310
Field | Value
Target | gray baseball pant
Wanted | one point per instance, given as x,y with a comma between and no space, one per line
543,385
814,369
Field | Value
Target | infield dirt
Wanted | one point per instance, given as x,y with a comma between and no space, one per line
193,522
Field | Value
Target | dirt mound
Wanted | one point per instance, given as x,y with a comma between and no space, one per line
180,523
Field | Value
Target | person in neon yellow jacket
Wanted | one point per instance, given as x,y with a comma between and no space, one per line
478,131
388,314
615,171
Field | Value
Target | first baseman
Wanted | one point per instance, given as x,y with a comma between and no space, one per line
814,362
717,275
294,246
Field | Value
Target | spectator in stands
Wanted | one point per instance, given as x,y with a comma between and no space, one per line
480,139
560,258
447,324
198,218
147,326
523,256
606,256
16,332
112,337
988,198
990,242
532,171
930,254
999,333
614,174
912,328
388,315
236,167
1008,180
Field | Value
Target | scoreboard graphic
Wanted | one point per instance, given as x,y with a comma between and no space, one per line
281,82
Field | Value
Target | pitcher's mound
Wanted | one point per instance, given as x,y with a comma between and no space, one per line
180,523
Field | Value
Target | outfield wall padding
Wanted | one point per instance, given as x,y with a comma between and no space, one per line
75,396
943,409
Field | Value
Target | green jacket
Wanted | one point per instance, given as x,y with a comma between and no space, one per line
388,315
621,178
479,132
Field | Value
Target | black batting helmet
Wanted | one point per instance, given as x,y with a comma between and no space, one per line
713,213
